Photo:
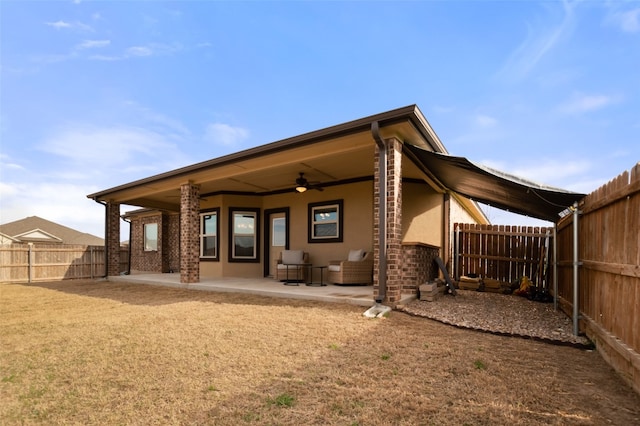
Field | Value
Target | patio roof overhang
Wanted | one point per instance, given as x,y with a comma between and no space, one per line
496,188
330,156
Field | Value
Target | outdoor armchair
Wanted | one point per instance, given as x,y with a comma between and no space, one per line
292,265
357,269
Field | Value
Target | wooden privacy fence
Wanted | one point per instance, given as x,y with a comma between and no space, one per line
46,262
608,272
504,253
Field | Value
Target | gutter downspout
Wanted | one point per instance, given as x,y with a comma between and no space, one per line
129,254
106,237
382,224
576,264
555,266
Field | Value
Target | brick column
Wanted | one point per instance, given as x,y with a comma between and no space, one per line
394,221
393,199
189,233
112,239
376,223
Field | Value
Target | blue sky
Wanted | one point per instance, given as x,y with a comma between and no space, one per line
94,94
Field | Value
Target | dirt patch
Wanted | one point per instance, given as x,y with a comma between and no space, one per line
114,353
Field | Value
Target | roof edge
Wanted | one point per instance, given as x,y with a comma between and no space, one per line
411,113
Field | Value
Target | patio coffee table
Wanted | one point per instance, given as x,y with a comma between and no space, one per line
299,270
318,284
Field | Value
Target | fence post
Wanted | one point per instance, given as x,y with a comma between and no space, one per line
91,261
576,213
555,266
456,255
30,262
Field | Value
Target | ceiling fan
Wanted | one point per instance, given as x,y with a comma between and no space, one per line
302,184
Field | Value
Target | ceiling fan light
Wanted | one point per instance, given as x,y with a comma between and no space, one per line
301,188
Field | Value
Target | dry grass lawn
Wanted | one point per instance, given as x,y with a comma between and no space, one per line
90,352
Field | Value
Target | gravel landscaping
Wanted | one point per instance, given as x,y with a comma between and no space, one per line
499,314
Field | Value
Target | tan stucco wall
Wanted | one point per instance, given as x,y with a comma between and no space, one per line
358,225
358,219
223,267
459,214
421,214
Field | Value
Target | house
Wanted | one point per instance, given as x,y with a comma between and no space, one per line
318,192
36,230
5,239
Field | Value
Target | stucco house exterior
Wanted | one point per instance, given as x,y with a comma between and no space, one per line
359,186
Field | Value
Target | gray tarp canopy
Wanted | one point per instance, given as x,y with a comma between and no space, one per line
496,188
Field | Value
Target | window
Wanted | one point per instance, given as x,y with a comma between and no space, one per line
325,222
150,237
209,231
243,226
279,232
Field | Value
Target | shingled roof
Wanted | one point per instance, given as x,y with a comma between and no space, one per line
34,229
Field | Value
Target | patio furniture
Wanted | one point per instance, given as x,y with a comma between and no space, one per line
321,282
357,269
292,266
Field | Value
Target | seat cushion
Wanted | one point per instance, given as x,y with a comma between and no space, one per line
292,257
334,268
355,255
287,266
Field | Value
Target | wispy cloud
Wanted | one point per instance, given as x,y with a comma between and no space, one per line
7,163
141,51
157,121
64,203
582,103
79,154
111,147
138,51
545,171
628,21
92,44
60,25
224,134
541,39
483,120
441,109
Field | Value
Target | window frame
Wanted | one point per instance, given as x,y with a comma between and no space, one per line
145,232
202,235
312,207
233,211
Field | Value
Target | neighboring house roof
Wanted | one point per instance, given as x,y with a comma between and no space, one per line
34,229
6,239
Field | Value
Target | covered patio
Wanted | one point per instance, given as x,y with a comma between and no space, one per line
268,287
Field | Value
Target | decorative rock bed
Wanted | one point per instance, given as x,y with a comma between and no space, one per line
500,314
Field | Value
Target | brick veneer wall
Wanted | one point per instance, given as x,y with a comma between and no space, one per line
419,265
113,238
189,235
148,261
393,199
167,257
171,242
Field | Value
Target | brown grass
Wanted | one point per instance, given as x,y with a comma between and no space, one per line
85,352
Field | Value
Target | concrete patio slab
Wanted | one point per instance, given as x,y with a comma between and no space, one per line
354,295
